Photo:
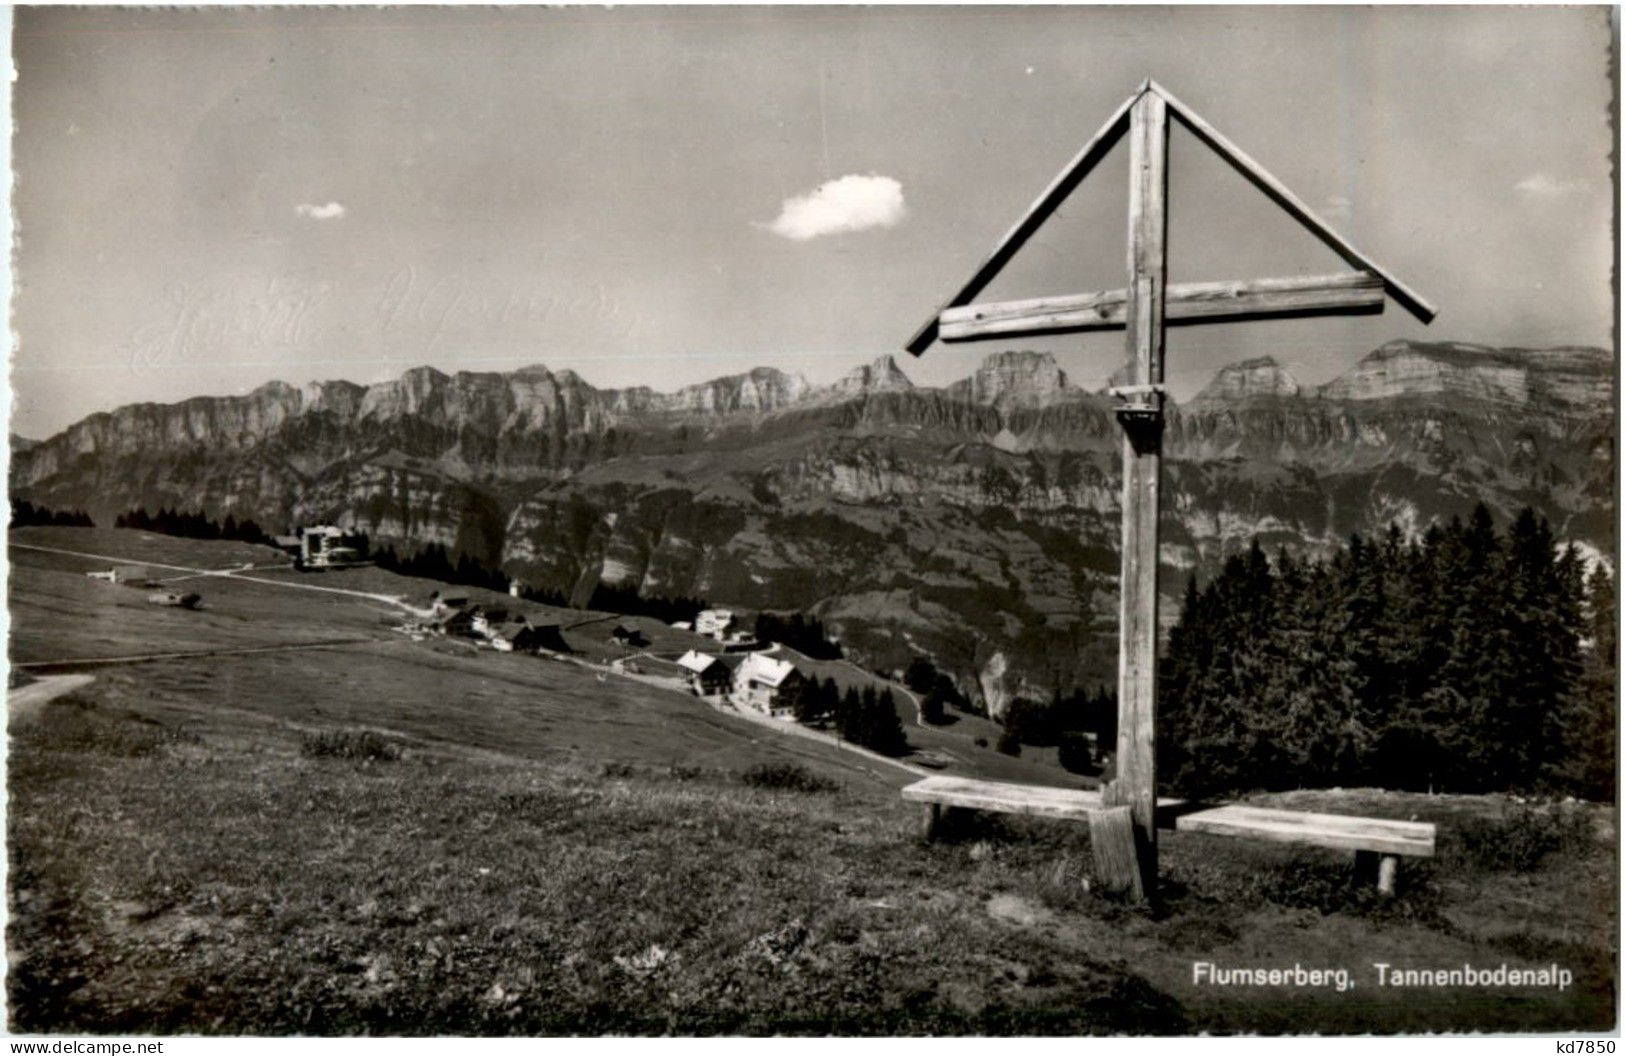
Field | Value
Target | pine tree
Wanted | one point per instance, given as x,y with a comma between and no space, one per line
1589,724
886,730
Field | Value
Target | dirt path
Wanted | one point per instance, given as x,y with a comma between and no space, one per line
23,704
219,573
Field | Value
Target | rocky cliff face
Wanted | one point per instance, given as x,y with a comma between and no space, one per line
882,375
976,523
1008,380
1561,379
1247,379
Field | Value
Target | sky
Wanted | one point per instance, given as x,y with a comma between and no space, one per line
207,200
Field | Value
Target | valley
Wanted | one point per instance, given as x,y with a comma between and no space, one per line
323,826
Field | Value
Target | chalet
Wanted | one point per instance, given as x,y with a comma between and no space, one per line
714,623
629,636
765,684
442,604
707,675
504,633
457,621
487,620
535,638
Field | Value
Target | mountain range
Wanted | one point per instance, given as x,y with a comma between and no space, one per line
976,523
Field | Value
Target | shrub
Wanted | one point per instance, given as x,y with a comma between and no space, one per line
786,777
1031,722
679,772
1076,753
361,745
1009,742
1520,840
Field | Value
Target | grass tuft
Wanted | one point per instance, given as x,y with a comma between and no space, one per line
85,728
1522,838
786,777
359,745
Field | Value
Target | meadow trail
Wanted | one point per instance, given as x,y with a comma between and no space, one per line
220,573
24,703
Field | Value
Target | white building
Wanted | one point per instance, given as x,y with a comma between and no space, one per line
764,683
714,622
323,546
707,675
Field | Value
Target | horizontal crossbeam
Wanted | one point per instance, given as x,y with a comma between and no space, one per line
1277,191
1082,163
1344,292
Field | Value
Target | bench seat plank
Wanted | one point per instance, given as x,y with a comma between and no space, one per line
1336,831
1005,797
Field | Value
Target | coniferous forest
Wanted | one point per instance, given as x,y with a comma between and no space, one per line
25,513
1472,659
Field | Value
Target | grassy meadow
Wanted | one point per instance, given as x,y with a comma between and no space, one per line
365,834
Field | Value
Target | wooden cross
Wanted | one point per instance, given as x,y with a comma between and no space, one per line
1126,838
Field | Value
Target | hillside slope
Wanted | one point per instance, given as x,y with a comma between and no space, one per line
398,837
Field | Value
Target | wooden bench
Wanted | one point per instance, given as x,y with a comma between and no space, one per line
943,794
1377,843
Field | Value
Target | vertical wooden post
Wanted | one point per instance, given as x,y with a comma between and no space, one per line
1136,782
1111,839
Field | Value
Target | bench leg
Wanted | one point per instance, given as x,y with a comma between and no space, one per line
931,822
1365,867
1379,869
1387,870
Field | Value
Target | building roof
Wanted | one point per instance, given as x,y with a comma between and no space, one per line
766,669
697,662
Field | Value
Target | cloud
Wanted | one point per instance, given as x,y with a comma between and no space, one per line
330,211
1541,185
850,203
